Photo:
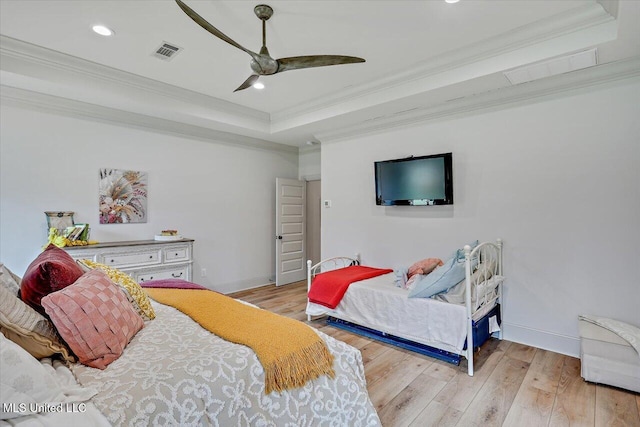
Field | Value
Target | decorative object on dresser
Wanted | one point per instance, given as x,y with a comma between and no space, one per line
144,260
59,220
168,235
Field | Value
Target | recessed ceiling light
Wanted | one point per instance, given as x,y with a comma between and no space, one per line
258,85
102,30
452,1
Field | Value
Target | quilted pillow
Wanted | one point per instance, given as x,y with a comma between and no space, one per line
136,296
29,329
94,318
52,270
424,266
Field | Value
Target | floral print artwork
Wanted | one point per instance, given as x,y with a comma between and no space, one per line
123,196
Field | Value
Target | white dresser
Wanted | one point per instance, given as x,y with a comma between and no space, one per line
143,259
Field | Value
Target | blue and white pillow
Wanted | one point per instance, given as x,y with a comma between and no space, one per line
443,277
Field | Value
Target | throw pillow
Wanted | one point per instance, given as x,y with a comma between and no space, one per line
8,280
94,318
136,296
411,283
29,329
440,279
424,266
52,270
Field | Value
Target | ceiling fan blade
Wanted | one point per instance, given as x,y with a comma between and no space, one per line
298,62
248,83
210,28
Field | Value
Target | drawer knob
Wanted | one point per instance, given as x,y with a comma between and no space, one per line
176,253
176,275
112,261
150,256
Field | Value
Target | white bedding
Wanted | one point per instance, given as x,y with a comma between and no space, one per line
78,414
176,373
378,304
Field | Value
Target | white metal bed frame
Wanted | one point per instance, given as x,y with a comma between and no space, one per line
484,254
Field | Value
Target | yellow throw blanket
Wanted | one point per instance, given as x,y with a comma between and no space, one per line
290,352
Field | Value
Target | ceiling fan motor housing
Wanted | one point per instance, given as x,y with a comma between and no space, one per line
264,65
263,11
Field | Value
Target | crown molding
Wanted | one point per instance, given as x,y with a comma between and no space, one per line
17,97
508,97
310,149
591,17
40,58
437,72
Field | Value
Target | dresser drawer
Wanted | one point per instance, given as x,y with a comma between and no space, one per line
177,273
144,260
146,257
176,253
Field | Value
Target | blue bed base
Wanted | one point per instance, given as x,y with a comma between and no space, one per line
480,336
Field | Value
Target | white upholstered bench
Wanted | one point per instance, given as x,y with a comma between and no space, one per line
606,357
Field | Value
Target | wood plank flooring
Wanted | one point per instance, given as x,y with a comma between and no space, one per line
513,384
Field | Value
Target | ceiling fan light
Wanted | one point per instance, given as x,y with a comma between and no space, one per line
102,30
451,1
258,85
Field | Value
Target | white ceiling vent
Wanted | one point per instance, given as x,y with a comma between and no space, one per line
561,65
166,51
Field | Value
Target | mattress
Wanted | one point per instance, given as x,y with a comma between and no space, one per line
378,304
606,358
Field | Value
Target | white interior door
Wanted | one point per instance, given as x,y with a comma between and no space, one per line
290,231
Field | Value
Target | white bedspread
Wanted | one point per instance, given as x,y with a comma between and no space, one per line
176,373
378,304
80,414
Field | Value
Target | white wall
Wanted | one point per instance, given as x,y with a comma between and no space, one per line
558,180
309,163
221,195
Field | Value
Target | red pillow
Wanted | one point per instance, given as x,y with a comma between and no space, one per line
52,270
94,318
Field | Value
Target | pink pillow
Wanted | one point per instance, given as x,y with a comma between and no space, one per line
52,270
424,266
94,317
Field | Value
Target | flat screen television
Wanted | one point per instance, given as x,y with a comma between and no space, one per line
415,181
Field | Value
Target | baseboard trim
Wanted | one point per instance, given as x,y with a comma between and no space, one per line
558,343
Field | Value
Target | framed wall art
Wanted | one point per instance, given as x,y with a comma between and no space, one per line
122,196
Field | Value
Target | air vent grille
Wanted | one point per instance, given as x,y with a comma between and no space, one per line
167,51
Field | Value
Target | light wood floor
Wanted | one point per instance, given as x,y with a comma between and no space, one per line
513,384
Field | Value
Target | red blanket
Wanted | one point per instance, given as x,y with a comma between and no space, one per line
328,288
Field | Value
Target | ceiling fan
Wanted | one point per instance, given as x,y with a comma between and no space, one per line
262,63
